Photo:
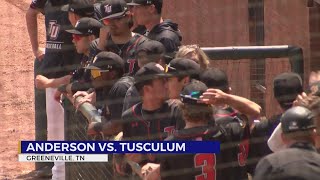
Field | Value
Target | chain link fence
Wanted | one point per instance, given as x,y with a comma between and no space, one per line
76,130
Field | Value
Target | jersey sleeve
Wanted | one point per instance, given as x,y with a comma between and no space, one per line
38,4
115,100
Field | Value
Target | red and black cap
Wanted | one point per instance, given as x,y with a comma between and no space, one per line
150,71
107,61
111,9
86,26
184,67
297,118
215,78
84,8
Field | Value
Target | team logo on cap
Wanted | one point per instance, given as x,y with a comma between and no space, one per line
293,126
160,67
94,60
107,8
77,23
149,2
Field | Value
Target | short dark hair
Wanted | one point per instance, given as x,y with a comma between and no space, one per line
158,6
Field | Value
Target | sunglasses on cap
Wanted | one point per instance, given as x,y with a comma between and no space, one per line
95,73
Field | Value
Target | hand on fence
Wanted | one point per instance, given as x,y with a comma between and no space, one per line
151,171
90,98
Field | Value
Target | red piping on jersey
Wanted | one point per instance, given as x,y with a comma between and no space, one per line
140,118
135,43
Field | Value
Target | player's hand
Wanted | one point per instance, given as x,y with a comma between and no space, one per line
90,130
301,100
213,96
151,171
90,98
80,93
39,53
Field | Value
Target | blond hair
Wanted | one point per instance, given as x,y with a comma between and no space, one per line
187,51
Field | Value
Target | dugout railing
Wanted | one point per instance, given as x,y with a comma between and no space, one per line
76,121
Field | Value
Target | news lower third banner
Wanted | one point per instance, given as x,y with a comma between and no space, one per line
97,151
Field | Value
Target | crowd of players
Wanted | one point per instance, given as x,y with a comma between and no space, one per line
130,64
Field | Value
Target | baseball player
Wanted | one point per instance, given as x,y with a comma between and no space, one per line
199,127
59,60
287,86
120,39
300,159
183,71
232,110
148,51
148,13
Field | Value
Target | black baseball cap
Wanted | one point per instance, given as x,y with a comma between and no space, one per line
107,61
149,71
215,78
143,2
151,47
191,93
286,87
297,118
84,8
113,9
184,67
86,26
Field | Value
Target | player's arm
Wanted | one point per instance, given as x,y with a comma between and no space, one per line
32,26
243,105
42,82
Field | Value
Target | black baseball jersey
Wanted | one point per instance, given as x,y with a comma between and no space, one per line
200,166
300,161
115,97
132,97
239,131
260,134
60,57
168,34
127,52
139,124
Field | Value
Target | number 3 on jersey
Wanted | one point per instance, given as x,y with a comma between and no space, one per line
207,162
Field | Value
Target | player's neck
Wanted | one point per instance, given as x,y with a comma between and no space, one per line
87,53
195,124
122,38
153,22
151,105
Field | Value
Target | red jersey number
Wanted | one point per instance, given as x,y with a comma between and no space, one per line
243,152
207,162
